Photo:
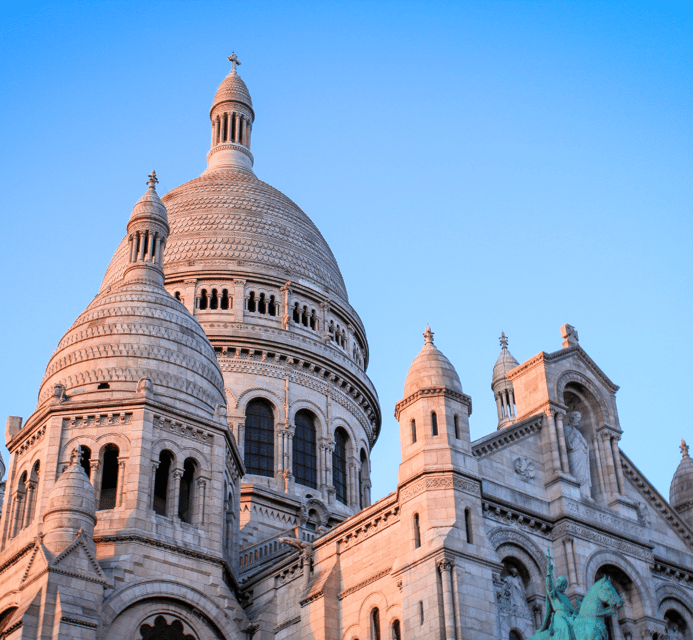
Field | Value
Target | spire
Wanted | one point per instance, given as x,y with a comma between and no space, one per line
232,118
428,335
147,233
503,390
684,449
504,341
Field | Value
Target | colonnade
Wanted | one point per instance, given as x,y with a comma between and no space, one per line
147,246
231,127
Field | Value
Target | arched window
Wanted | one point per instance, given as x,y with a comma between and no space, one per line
225,299
185,496
364,477
214,301
468,525
252,305
294,315
272,307
305,460
85,462
514,635
5,618
32,493
396,632
204,301
262,304
259,438
417,531
339,464
163,471
434,423
109,477
19,504
413,431
421,612
375,623
457,426
176,295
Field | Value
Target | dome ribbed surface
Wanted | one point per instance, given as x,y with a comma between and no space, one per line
232,88
431,369
149,207
506,362
232,221
681,489
132,331
72,492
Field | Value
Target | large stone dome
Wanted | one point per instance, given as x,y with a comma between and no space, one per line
228,221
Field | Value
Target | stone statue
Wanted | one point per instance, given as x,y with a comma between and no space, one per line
515,589
578,454
561,619
674,631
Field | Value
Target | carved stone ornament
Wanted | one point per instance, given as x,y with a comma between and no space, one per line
524,467
144,385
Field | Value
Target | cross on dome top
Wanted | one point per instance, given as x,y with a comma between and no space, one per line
684,449
152,180
233,59
428,335
504,341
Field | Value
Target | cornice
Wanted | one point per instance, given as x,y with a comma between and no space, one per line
432,392
507,435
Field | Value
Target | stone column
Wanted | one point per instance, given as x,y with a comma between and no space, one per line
94,467
150,248
152,481
121,483
561,441
239,300
617,463
570,560
174,494
237,119
241,439
286,290
280,449
199,514
600,471
553,443
499,406
608,459
29,503
250,128
18,514
445,568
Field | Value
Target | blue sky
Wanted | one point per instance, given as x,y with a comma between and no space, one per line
479,166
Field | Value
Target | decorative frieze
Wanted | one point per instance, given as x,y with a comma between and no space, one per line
433,392
180,429
370,527
507,435
601,539
31,440
439,482
364,583
513,517
287,624
76,422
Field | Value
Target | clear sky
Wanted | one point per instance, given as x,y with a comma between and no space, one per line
479,166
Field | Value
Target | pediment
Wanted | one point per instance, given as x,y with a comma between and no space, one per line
77,559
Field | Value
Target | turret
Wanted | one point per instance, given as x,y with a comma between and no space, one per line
433,415
681,489
232,119
502,387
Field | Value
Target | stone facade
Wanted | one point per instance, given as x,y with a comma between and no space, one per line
198,462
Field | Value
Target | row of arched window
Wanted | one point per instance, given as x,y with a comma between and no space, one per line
376,629
214,299
261,303
231,127
434,426
176,494
259,450
24,503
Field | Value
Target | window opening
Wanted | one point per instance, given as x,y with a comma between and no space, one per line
396,633
305,459
85,462
468,525
259,438
375,624
457,427
295,316
421,612
109,477
186,487
272,307
104,385
262,304
214,302
413,431
225,299
434,423
339,466
203,299
252,305
161,482
417,532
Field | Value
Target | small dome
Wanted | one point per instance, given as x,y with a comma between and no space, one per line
149,207
73,492
681,489
233,89
506,362
431,369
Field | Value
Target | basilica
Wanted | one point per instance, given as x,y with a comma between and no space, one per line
198,463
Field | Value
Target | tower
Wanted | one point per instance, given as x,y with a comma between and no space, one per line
258,276
503,390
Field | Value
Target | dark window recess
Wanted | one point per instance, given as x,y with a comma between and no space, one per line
305,468
396,632
214,302
185,499
163,472
86,460
434,423
252,304
104,385
204,300
259,438
375,624
225,299
457,427
413,431
109,478
339,464
417,531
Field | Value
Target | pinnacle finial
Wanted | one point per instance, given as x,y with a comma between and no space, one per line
428,335
233,59
152,180
684,449
504,341
76,457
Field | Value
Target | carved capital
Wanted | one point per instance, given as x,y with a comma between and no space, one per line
444,564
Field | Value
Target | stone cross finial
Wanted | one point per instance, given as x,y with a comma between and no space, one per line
233,59
152,180
76,457
570,336
504,341
684,449
428,335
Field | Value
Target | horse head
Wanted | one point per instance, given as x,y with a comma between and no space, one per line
607,593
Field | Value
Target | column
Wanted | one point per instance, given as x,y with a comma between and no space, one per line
155,466
239,300
94,466
199,515
29,503
144,241
121,483
280,449
570,560
499,406
445,568
150,248
553,443
607,459
131,239
237,118
18,514
617,463
250,128
241,130
289,451
174,494
561,442
241,439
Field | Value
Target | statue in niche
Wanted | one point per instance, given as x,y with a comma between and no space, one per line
514,587
674,631
578,454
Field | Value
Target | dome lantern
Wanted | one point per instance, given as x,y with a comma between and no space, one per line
232,119
502,387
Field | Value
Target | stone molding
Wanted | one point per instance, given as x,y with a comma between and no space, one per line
180,429
673,592
364,583
501,536
287,624
575,376
433,483
97,419
364,530
224,146
506,515
433,392
31,440
603,539
79,623
507,435
161,545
